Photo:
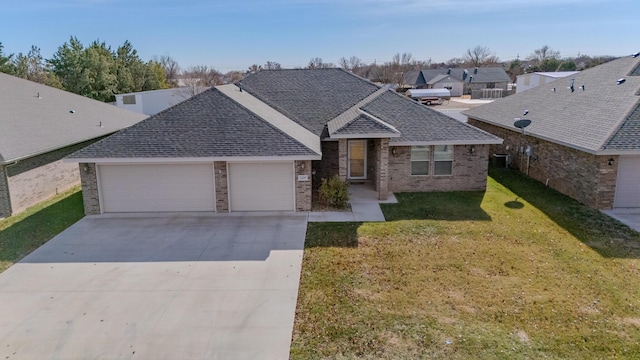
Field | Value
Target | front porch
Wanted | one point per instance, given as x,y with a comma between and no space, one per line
364,202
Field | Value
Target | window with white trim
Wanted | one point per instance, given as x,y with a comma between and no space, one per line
420,160
443,160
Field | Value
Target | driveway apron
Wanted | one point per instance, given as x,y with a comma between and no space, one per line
170,286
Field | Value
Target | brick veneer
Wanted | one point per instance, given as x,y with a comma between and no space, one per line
90,195
342,159
221,186
585,177
469,171
328,166
303,188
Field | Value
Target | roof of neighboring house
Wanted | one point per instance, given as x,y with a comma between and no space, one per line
442,77
208,125
601,119
482,75
553,74
36,119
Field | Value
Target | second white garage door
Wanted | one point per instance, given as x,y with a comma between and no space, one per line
628,182
261,186
157,188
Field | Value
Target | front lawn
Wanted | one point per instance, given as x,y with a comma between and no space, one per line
519,271
25,232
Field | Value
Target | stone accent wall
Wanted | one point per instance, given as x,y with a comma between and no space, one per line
90,196
303,188
585,177
5,204
342,159
382,166
35,182
469,171
328,166
222,190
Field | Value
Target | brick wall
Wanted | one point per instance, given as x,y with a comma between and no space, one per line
303,188
381,179
469,171
5,205
221,186
90,196
585,177
39,181
328,166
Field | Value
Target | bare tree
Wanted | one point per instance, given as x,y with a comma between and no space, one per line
232,76
317,63
272,65
254,68
480,56
200,77
171,68
542,54
351,64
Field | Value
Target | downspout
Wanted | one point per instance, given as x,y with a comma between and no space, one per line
6,176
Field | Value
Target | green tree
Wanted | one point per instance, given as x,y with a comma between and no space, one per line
68,65
568,66
550,64
6,65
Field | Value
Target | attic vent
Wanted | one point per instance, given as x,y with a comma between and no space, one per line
620,81
635,55
129,99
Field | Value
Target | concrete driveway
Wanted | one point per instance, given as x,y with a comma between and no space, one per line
163,287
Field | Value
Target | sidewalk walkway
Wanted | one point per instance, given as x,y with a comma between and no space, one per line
364,207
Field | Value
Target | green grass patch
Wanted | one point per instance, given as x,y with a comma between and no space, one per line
28,230
537,276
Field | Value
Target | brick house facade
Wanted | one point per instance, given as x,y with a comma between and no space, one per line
585,177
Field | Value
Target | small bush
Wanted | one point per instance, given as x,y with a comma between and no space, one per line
334,192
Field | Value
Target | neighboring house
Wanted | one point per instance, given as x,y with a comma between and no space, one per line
483,82
527,81
154,101
265,143
584,143
40,125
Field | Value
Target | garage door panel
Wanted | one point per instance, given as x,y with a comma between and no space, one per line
628,182
157,188
261,186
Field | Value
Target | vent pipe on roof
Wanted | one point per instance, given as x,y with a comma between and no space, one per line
449,71
38,95
635,55
240,85
475,71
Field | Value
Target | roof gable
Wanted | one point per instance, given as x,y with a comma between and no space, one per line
209,124
583,119
37,118
482,75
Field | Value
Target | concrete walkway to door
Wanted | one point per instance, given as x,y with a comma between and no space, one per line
175,286
365,206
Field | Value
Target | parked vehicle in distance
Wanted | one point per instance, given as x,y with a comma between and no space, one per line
431,100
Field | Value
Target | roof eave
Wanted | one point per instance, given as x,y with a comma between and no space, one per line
168,160
496,141
365,135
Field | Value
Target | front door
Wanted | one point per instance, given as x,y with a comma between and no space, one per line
357,159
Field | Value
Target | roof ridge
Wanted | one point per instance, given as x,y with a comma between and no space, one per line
346,117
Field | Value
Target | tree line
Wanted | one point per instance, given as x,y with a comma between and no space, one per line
100,72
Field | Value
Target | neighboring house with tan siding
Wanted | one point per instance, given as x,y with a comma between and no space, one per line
584,143
39,126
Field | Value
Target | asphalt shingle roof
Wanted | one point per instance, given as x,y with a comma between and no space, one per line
602,117
309,97
484,74
209,124
32,125
419,123
364,124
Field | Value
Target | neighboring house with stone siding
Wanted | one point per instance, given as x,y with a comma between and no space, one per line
265,144
584,143
39,126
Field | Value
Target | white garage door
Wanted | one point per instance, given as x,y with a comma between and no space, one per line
261,186
156,188
628,182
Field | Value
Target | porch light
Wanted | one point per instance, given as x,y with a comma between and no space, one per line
393,151
472,150
611,162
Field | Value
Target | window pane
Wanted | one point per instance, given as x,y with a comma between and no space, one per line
420,153
443,152
129,99
419,168
443,168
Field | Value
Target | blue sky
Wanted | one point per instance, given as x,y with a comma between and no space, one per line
232,35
